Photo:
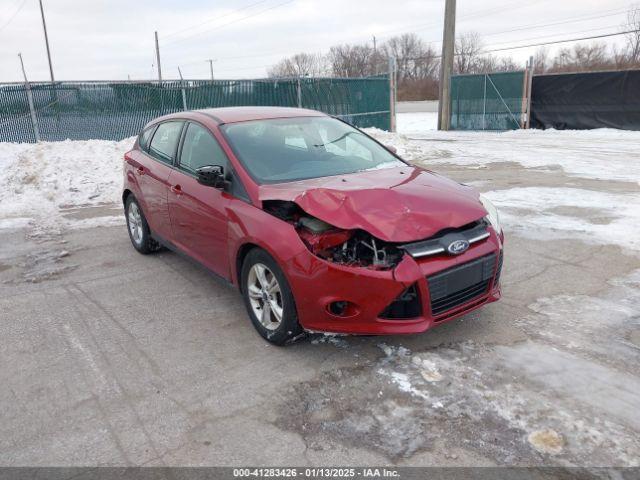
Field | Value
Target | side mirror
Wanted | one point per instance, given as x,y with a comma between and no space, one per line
391,148
211,176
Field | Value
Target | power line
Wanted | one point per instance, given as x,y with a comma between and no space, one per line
580,18
494,33
462,18
551,35
180,40
593,37
246,7
14,15
607,13
540,44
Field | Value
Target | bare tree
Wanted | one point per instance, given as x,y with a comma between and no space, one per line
541,60
468,50
582,58
352,60
489,63
633,38
417,64
413,58
300,65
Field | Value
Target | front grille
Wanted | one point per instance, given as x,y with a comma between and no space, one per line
406,305
461,284
439,243
499,269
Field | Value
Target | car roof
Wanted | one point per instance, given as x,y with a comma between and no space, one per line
244,114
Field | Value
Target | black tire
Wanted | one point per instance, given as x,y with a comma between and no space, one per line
289,328
141,240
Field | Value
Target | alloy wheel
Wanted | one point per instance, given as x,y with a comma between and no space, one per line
135,223
265,296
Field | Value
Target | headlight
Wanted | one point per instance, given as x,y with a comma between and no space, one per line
492,216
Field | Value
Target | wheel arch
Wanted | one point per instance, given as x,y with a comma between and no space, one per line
125,195
242,253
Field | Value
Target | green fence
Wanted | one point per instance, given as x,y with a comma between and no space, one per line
491,101
117,110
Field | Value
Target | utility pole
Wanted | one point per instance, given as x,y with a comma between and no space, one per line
375,56
158,58
184,93
393,93
211,67
446,65
529,92
32,110
46,41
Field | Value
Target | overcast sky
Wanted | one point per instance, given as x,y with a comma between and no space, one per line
113,39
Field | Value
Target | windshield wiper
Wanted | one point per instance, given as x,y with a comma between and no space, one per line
337,139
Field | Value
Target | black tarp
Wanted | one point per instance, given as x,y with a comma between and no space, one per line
586,100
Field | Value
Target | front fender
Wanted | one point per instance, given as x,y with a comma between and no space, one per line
251,225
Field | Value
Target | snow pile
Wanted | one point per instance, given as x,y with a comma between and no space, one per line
561,213
41,180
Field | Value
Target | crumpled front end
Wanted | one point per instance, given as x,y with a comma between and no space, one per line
386,253
412,296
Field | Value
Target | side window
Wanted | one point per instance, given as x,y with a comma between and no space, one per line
144,138
165,140
199,148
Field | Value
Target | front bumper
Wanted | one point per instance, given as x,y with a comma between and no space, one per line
317,284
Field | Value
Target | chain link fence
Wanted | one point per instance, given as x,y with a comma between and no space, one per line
493,101
117,110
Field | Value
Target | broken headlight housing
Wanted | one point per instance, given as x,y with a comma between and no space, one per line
347,247
492,214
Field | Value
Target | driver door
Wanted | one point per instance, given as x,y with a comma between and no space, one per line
197,212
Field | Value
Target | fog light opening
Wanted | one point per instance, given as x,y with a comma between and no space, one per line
342,308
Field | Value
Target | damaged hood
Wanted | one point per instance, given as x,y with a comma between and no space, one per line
396,205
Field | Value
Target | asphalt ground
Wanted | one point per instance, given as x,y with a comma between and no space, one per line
109,357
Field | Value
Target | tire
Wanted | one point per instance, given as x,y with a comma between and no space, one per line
259,290
138,228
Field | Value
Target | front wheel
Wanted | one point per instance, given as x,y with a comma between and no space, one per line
268,298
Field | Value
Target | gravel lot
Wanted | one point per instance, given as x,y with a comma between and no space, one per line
108,357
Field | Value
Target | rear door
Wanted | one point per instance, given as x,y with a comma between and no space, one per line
198,213
153,175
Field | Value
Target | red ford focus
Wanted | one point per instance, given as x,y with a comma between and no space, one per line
321,227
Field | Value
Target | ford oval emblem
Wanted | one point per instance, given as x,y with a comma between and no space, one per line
457,247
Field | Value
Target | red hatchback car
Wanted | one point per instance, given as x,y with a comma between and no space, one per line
321,227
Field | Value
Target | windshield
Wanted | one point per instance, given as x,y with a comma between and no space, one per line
287,149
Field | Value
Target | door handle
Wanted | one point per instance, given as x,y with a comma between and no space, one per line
140,171
177,189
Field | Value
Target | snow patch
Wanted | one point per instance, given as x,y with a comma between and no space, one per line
417,122
600,154
592,216
330,338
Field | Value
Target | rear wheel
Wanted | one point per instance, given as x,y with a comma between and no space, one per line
138,228
268,298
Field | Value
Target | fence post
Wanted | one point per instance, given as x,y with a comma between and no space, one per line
299,93
392,94
32,110
184,99
484,104
529,92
